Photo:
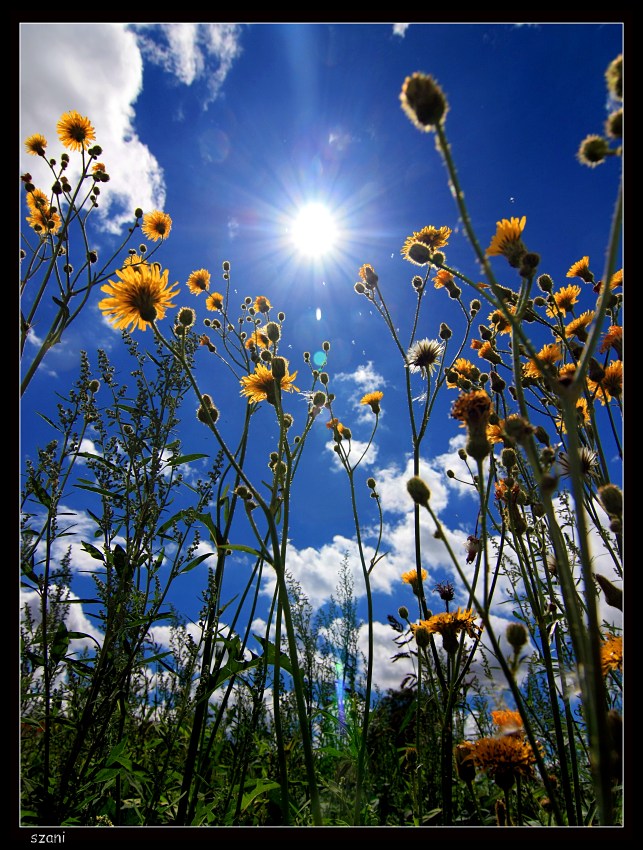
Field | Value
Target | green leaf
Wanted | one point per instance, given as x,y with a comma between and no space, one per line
93,488
93,551
60,643
195,563
40,493
185,459
239,547
270,654
261,787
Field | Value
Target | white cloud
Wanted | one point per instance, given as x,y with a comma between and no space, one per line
386,673
365,377
97,70
358,449
75,620
400,29
192,52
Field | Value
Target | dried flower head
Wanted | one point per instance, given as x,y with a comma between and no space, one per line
445,589
588,462
424,355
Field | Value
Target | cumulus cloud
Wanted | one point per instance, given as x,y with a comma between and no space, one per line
358,449
192,52
97,70
400,29
75,619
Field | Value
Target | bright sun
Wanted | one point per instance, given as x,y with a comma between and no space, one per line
313,230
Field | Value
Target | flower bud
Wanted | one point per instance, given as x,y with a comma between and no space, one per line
418,491
445,331
403,612
273,331
516,635
611,498
278,368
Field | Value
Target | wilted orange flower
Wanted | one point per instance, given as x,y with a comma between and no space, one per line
472,408
487,351
368,276
442,277
495,433
565,299
548,355
156,225
581,269
335,425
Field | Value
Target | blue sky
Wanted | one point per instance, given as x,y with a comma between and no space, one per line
232,129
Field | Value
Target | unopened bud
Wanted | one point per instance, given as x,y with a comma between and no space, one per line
418,491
